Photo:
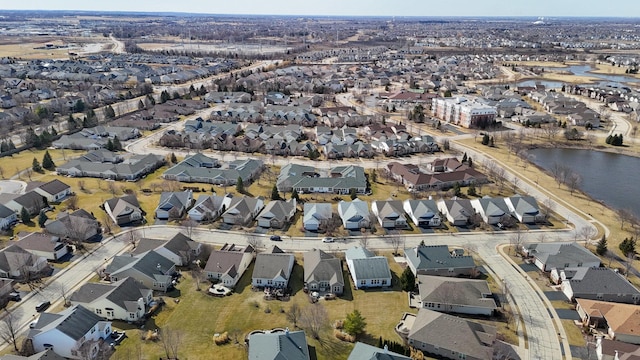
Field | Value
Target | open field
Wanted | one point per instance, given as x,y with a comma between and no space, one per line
573,79
35,47
612,70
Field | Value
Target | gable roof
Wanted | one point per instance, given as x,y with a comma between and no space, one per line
54,187
364,351
287,345
390,209
455,291
526,205
453,333
227,260
355,210
151,264
271,264
13,257
436,257
75,322
124,293
38,242
599,280
366,265
278,209
169,200
316,212
121,206
557,255
320,266
422,209
621,318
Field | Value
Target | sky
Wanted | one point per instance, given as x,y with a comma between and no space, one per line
534,8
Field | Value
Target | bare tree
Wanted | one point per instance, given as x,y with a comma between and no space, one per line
629,263
188,225
107,223
254,240
133,237
573,181
294,314
170,341
314,318
517,239
396,240
587,232
624,216
547,207
515,183
1,172
9,326
197,274
330,226
551,130
363,240
72,202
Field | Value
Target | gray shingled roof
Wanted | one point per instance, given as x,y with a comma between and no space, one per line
288,345
320,266
271,264
556,255
436,257
120,292
75,322
455,291
54,187
43,355
600,280
364,351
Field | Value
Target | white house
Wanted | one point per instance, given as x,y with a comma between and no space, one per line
272,269
228,264
423,212
277,214
524,208
315,214
43,245
207,207
124,300
354,214
492,210
74,333
367,269
390,213
54,190
7,217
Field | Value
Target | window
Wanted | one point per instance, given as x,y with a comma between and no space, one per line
258,281
269,282
132,316
99,311
93,329
363,282
384,282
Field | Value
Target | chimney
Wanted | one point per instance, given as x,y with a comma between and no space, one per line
159,267
286,332
386,349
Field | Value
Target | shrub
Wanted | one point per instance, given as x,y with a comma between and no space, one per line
339,324
343,336
221,339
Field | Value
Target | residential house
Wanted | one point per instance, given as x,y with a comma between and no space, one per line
43,245
79,225
17,263
390,214
173,205
423,213
458,212
207,207
277,214
447,336
614,350
492,210
272,269
180,249
598,283
354,214
306,179
8,217
367,270
150,269
115,167
47,354
124,210
440,261
323,272
524,208
241,210
6,288
31,200
620,321
550,256
200,170
74,333
54,191
228,264
364,351
456,295
278,345
124,300
315,214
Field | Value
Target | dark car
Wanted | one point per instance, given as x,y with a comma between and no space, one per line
43,306
275,238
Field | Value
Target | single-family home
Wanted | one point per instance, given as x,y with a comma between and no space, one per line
390,214
272,269
79,225
278,345
440,261
315,214
550,256
207,208
17,263
43,245
354,214
620,321
124,210
74,333
614,350
8,217
423,213
150,269
124,300
173,205
458,212
524,208
54,191
241,210
492,210
30,200
277,214
364,351
323,272
447,336
598,283
366,269
228,264
180,249
6,288
456,295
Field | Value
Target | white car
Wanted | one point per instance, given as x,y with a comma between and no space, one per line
328,240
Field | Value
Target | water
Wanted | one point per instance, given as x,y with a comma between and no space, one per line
606,177
583,70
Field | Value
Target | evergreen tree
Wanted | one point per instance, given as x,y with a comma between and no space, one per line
42,219
4,147
407,280
140,105
174,159
456,189
47,162
471,191
464,158
117,146
109,145
353,194
491,142
470,162
79,106
294,195
54,132
355,323
275,195
109,113
35,165
601,249
485,139
25,216
164,96
12,146
151,99
240,185
628,246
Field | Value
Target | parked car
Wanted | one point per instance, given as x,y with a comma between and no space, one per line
275,238
15,296
43,306
328,240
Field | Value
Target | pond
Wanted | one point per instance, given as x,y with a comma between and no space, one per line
606,177
584,70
